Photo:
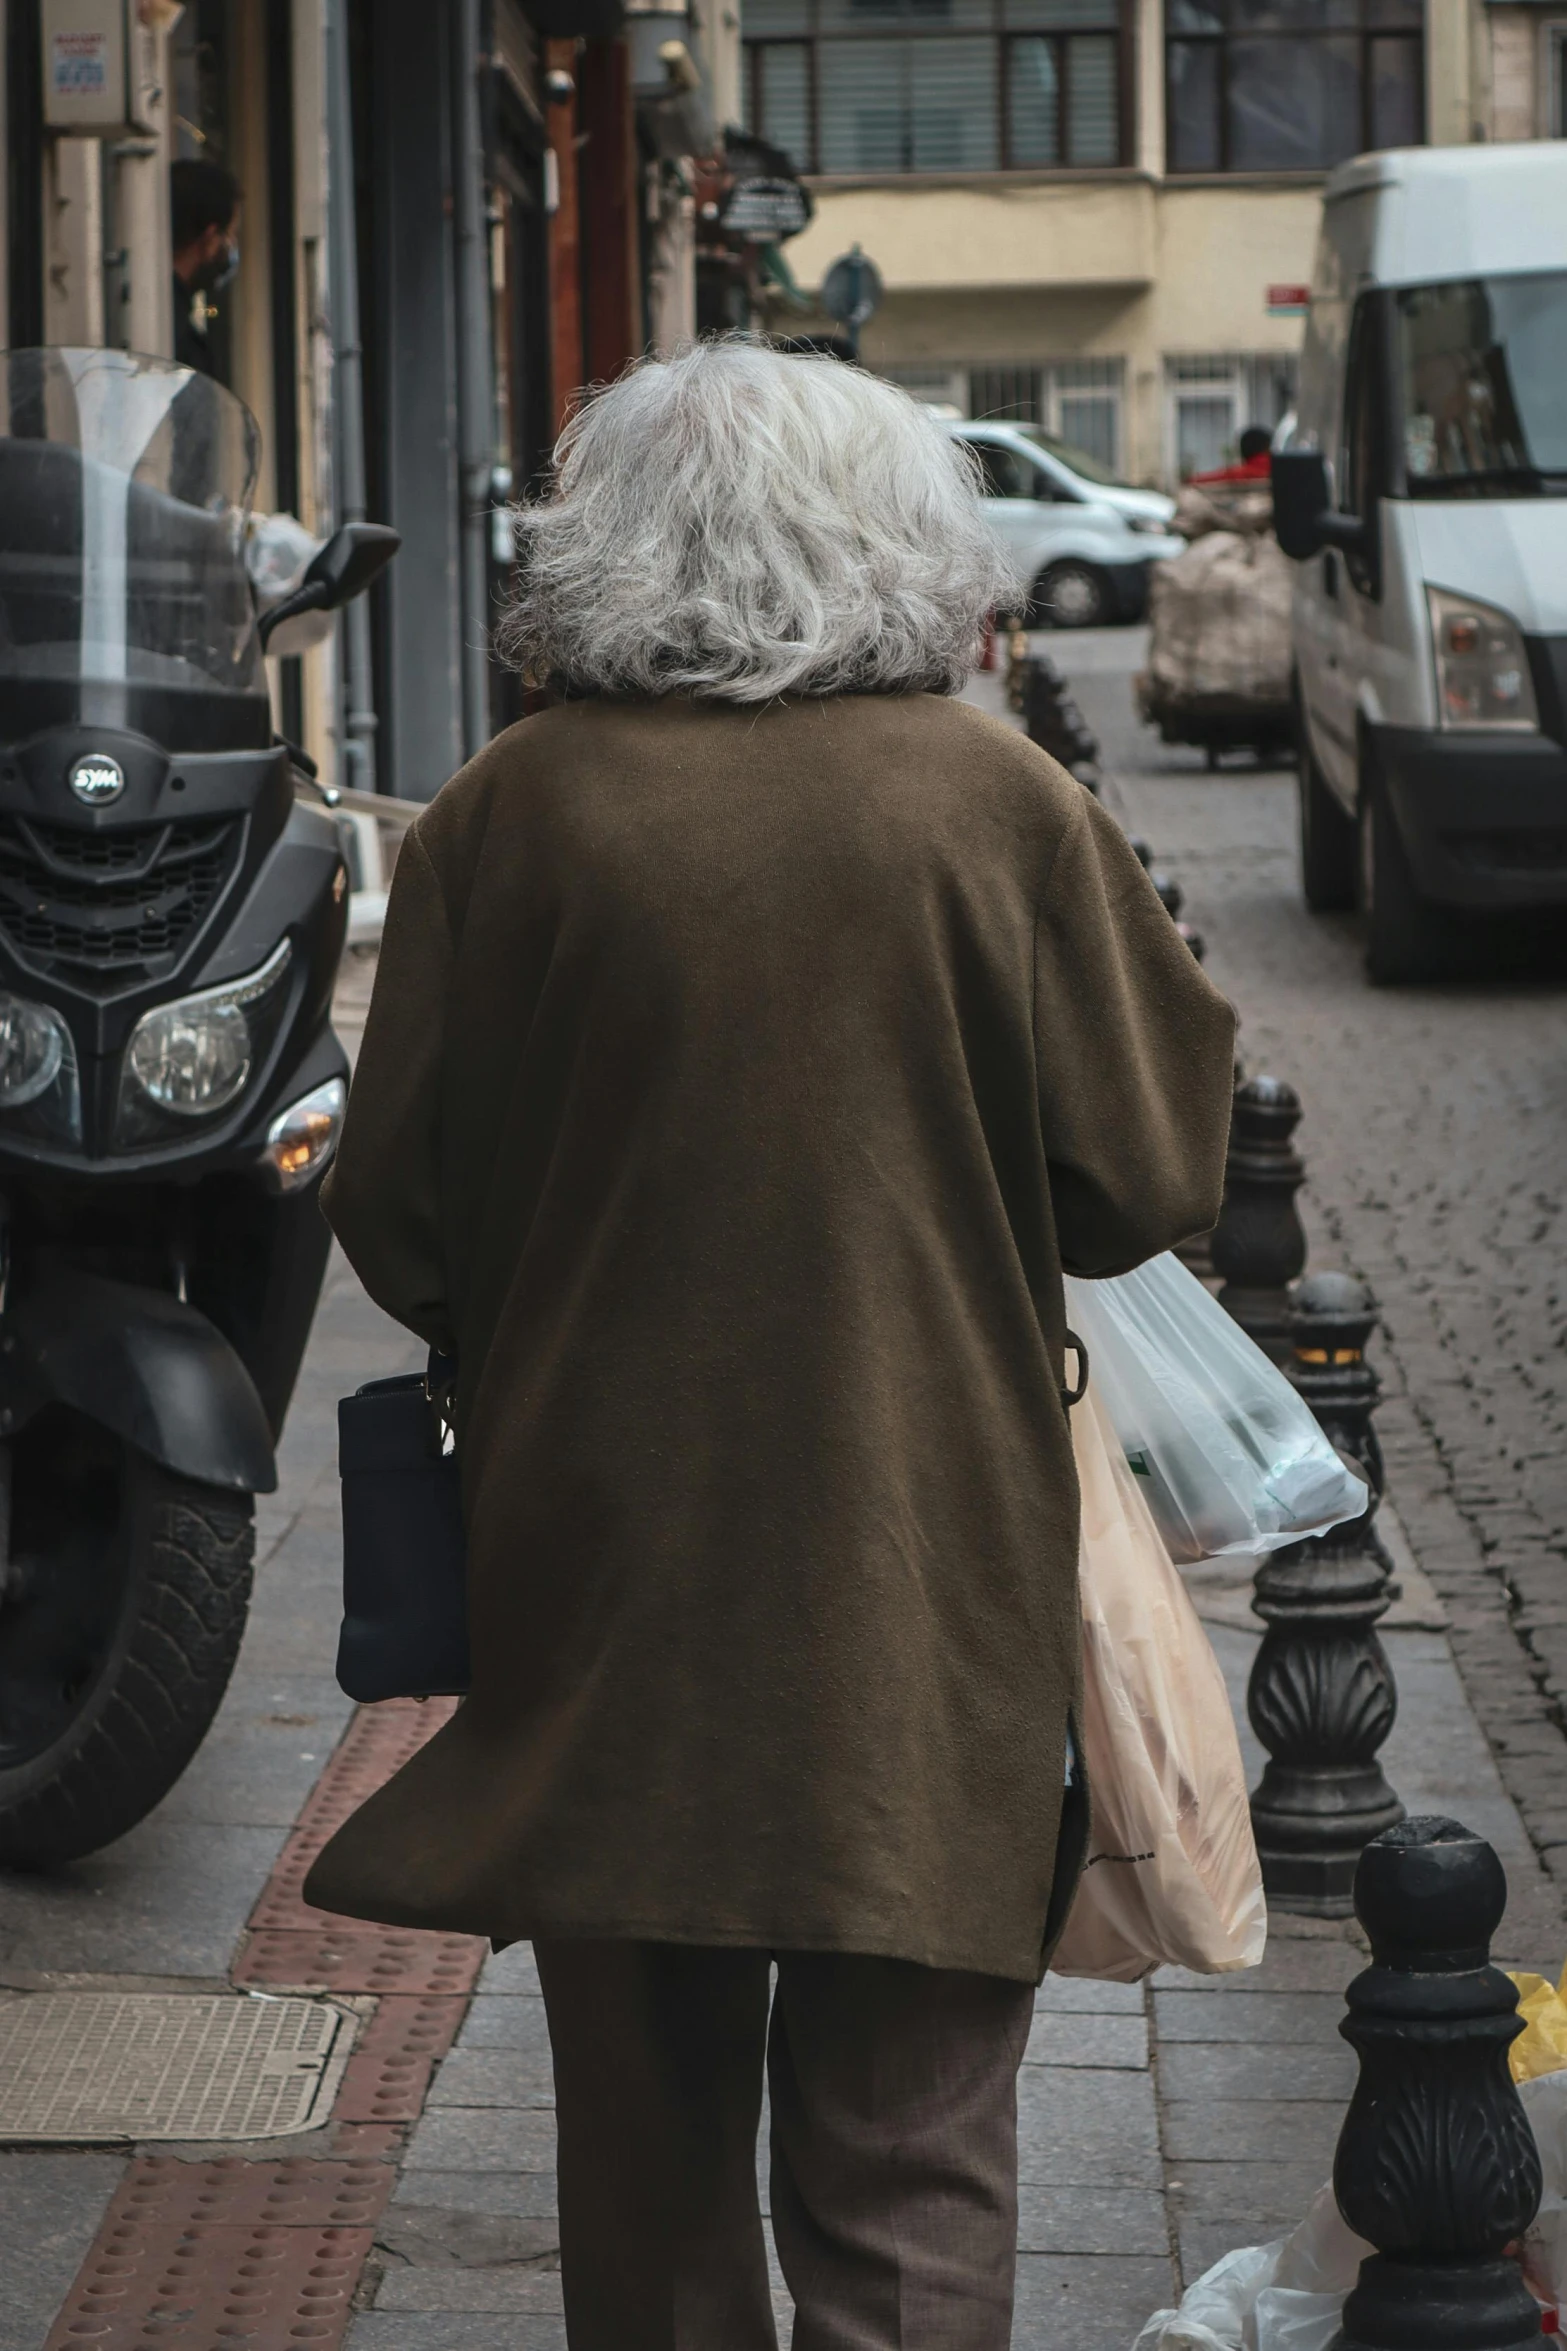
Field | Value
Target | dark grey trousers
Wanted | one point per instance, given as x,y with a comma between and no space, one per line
894,2148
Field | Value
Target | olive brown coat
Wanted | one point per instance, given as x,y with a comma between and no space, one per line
736,1087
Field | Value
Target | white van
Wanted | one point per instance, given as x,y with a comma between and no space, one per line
1083,540
1425,499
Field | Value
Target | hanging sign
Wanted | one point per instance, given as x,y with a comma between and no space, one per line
763,211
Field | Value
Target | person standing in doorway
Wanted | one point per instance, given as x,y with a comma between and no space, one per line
204,219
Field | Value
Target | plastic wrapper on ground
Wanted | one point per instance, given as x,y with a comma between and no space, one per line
1289,2295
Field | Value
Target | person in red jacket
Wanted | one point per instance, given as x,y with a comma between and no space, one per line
1256,461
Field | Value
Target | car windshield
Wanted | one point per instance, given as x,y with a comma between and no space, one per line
1481,366
1092,469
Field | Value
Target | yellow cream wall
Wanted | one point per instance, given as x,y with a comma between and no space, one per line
1010,272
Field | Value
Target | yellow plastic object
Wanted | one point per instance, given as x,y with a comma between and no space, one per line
1542,2045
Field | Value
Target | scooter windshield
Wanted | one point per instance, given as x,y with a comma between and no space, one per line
124,488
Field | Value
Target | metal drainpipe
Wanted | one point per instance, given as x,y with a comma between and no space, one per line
475,389
359,718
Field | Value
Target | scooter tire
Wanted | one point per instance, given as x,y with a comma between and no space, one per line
185,1564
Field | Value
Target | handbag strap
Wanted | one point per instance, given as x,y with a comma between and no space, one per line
1076,1393
440,1392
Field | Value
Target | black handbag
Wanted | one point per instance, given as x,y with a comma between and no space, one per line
405,1598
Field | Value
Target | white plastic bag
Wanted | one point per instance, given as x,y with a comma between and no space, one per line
1283,2296
1230,1458
1215,2307
1172,1874
1545,2239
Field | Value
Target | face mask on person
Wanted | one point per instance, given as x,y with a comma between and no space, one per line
214,275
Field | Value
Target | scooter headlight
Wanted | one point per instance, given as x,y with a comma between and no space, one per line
40,1093
1482,666
193,1058
34,1042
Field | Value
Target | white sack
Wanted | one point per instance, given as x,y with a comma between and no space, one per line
1220,623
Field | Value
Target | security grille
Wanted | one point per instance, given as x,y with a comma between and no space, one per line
110,910
90,2066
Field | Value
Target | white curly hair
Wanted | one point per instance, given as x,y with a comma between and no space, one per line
738,524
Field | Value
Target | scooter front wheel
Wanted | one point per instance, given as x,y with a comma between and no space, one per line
122,1606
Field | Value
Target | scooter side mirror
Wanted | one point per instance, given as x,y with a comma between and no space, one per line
1304,518
343,569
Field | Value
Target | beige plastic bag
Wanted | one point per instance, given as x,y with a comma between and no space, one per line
1172,1875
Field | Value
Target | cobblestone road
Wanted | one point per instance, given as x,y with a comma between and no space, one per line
1435,1140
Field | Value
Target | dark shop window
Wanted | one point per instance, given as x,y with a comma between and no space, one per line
939,85
1290,85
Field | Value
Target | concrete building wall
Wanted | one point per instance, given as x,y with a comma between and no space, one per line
1165,279
1514,45
1009,273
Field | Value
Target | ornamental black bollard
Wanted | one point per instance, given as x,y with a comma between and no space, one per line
1172,898
1052,719
1436,2166
1321,1697
1168,891
1259,1243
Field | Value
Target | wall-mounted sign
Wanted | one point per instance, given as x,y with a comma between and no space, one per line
762,211
101,65
1288,301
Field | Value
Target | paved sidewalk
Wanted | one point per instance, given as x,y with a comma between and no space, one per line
1158,2126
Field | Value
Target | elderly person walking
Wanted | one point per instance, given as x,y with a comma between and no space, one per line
758,1034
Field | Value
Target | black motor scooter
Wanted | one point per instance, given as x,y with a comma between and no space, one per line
171,919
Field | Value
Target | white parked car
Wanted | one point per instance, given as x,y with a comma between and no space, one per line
1085,541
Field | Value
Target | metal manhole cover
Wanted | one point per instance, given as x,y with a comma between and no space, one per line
166,2065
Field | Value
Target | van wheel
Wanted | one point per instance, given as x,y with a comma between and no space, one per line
1328,848
1070,596
1407,938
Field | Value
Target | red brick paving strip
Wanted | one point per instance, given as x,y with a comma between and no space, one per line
266,2255
388,2075
205,2286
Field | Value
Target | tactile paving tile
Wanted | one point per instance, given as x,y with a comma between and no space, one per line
378,1741
212,2286
389,2073
385,2140
337,1957
164,2191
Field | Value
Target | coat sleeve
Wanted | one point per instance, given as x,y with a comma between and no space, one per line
1135,1052
382,1195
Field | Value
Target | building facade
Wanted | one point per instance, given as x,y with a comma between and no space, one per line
1098,216
453,214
